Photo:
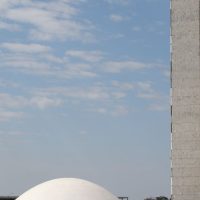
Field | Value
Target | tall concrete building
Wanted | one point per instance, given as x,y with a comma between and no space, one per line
185,84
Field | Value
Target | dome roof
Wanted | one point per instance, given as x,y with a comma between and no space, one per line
67,189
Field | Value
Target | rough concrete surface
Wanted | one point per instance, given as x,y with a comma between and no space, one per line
185,57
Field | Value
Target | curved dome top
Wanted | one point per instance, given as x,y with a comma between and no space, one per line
67,189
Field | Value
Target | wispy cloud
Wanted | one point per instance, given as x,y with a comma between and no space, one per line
6,115
25,48
160,106
116,18
12,133
47,20
43,102
8,84
15,106
120,110
115,111
100,98
136,28
10,101
146,91
158,101
108,99
44,22
9,26
89,56
84,93
38,59
166,73
18,102
124,85
121,2
119,66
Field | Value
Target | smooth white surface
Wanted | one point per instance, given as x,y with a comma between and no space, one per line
67,189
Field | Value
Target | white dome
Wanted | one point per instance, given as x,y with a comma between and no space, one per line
67,189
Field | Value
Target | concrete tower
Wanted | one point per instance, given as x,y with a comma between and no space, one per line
185,71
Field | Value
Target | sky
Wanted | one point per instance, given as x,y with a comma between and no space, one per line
84,93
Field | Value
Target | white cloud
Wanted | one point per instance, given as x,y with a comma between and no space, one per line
116,18
136,28
42,63
166,73
120,2
83,132
43,102
106,98
157,100
145,86
119,66
8,101
159,107
100,98
5,4
8,84
76,70
91,93
9,27
53,59
118,95
89,56
157,27
148,95
98,93
118,36
123,85
12,133
161,104
120,111
146,91
101,110
115,111
48,19
27,65
10,115
25,48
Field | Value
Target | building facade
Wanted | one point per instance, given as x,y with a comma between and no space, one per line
185,103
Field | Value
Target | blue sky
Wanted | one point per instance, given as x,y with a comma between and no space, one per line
84,92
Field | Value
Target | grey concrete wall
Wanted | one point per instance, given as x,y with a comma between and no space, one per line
185,59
